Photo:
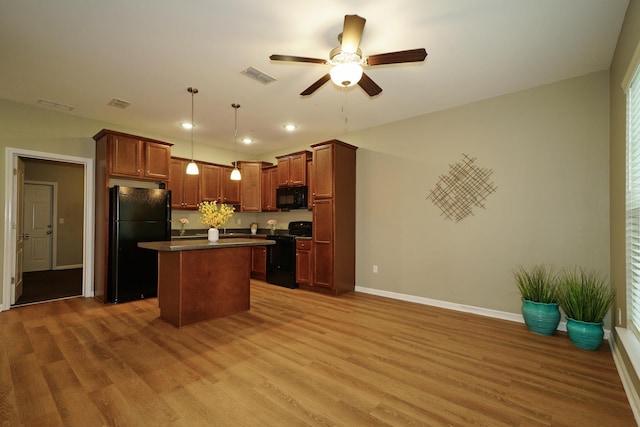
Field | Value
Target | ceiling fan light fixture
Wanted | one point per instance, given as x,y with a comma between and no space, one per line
346,74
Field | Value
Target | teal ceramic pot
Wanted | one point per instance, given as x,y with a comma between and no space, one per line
541,318
585,335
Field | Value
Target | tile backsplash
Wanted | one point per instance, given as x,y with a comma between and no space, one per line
245,218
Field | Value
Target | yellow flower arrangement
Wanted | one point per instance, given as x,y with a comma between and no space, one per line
213,215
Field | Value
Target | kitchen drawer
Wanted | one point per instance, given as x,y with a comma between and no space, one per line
303,244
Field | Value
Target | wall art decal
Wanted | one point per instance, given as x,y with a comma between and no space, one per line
465,187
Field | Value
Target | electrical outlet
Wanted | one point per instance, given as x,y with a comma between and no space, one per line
375,268
239,221
60,220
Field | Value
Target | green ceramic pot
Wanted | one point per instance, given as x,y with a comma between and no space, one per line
541,318
585,335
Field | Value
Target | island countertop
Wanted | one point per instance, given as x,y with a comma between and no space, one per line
190,245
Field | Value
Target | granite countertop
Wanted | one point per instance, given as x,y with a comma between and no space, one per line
190,245
222,236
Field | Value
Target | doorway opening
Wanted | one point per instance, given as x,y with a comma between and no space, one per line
54,258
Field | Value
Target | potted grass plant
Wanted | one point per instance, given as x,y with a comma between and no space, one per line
539,294
585,298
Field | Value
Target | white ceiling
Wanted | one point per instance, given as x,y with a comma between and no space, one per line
84,53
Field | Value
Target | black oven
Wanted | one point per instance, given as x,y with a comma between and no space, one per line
281,257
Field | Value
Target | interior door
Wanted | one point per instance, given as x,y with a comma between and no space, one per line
16,289
38,227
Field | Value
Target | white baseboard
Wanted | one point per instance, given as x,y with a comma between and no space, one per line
504,315
632,347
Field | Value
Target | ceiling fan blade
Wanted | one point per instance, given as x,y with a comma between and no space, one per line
412,55
369,85
352,33
297,59
322,80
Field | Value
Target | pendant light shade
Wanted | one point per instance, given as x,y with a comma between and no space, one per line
192,167
235,173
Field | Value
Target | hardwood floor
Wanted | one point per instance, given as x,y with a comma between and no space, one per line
296,358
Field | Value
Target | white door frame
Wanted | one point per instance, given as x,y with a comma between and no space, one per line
10,190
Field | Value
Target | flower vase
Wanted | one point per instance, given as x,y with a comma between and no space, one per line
585,335
541,318
182,230
213,235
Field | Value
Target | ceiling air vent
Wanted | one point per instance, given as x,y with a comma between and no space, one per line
258,75
54,104
119,103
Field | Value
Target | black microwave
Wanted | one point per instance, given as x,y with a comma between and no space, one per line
291,197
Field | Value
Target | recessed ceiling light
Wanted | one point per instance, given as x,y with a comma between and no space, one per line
186,125
290,127
247,140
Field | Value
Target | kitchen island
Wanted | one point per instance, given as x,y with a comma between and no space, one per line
199,280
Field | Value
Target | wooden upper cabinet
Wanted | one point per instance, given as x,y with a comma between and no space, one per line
323,177
131,156
126,156
251,185
251,188
230,189
269,186
185,189
216,184
292,169
210,183
156,160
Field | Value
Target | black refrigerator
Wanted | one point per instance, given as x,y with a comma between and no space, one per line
135,215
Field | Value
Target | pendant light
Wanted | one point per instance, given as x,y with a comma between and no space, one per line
192,167
235,173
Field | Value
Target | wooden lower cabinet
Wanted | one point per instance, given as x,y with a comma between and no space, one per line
259,262
303,262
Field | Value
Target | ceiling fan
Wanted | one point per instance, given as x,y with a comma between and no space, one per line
347,60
